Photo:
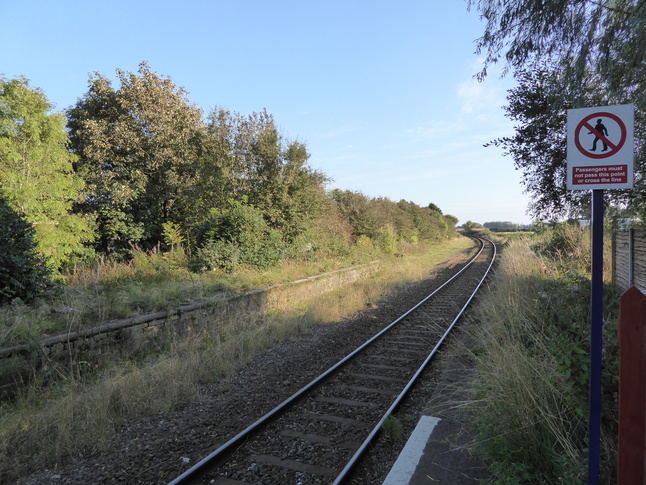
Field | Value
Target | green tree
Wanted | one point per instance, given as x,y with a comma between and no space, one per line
567,54
138,148
36,172
23,273
434,207
246,159
405,221
605,37
274,176
355,208
539,106
451,223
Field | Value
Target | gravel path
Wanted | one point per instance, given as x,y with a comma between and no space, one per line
155,449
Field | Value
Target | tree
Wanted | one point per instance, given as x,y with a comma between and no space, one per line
23,273
246,159
355,208
434,207
239,235
137,146
567,54
605,37
373,218
36,172
538,106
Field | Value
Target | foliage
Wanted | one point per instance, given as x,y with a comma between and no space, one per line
149,160
507,226
388,239
377,218
393,428
567,243
23,274
172,235
240,235
142,171
248,159
135,148
474,229
326,235
608,36
36,176
566,54
539,107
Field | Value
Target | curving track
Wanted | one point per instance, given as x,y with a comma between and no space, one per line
318,435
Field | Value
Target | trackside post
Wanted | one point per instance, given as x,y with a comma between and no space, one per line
632,388
610,168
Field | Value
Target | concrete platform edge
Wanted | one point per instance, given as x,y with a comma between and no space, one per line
407,461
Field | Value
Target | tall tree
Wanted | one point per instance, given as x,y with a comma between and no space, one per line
606,37
245,158
566,54
36,173
538,107
137,148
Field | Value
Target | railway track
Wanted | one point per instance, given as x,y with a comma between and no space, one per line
319,434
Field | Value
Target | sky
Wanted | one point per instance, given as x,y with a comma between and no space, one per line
382,92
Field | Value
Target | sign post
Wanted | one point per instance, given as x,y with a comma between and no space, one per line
599,156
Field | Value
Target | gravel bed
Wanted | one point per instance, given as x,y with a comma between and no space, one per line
157,448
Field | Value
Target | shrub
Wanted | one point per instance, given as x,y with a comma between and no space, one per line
567,243
240,235
388,239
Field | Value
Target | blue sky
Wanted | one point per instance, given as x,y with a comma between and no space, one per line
381,92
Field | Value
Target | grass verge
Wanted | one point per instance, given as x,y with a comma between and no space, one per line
533,369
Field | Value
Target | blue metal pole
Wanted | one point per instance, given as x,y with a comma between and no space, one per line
596,334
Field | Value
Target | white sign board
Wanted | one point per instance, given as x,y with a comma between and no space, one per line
600,147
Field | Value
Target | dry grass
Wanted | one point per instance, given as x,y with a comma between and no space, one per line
531,407
48,422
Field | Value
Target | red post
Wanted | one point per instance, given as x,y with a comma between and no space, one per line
632,388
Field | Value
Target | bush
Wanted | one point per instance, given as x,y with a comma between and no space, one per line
23,273
567,243
388,239
219,254
240,235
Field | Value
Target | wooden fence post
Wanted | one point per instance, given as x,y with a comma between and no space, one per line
632,388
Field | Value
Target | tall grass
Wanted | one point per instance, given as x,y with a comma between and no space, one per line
46,422
149,281
533,368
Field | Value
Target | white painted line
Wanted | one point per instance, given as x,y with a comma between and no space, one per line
407,461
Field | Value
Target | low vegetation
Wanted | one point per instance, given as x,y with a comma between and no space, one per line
533,365
47,422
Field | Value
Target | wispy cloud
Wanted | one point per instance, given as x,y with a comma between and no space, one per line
476,97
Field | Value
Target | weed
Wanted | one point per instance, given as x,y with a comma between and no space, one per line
392,428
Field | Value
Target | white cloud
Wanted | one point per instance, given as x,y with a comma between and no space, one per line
479,96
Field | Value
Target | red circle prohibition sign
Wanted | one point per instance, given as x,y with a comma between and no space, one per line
613,148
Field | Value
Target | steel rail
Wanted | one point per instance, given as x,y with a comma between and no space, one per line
216,457
343,476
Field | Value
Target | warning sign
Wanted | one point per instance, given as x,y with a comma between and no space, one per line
614,174
600,148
